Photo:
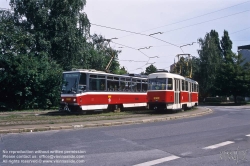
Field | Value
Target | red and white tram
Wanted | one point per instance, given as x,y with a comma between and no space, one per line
171,91
87,89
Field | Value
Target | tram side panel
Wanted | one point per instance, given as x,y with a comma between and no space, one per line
94,101
194,99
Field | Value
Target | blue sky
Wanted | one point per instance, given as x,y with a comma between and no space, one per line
181,21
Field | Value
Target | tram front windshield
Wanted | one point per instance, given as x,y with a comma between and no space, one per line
73,83
160,84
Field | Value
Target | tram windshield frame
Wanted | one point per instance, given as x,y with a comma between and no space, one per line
160,84
73,83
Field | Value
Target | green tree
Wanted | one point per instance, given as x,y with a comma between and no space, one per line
121,71
210,58
150,69
183,67
28,80
232,78
104,54
59,27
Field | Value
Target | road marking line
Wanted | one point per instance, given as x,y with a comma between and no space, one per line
158,161
248,135
218,145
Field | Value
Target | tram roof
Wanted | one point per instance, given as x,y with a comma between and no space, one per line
170,75
165,75
93,71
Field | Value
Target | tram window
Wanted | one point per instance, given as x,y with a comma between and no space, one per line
157,84
128,79
112,85
183,85
122,86
110,77
170,83
97,84
123,79
116,78
127,86
82,83
134,86
175,84
101,76
139,84
186,86
144,86
93,76
70,83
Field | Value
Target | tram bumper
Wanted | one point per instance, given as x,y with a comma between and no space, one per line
69,107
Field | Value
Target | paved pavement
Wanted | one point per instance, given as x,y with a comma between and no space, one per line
76,125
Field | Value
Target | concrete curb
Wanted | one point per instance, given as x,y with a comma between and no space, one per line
105,124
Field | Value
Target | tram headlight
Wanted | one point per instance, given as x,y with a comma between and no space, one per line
62,99
74,100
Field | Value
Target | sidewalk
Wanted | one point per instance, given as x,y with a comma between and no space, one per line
76,125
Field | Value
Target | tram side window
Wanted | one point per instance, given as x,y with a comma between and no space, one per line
122,85
144,86
186,83
139,85
183,85
134,85
170,84
96,84
125,84
82,83
112,85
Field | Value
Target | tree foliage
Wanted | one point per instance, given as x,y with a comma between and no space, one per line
210,59
28,80
232,77
220,71
60,27
183,67
40,39
150,69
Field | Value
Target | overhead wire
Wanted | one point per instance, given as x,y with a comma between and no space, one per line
193,17
151,35
206,21
139,51
240,30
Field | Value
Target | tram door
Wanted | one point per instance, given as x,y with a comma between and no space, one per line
177,92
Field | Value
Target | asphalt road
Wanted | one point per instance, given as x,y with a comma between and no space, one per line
220,138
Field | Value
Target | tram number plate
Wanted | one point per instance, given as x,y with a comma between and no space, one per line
68,99
156,98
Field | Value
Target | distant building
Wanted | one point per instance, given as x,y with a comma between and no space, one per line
245,52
